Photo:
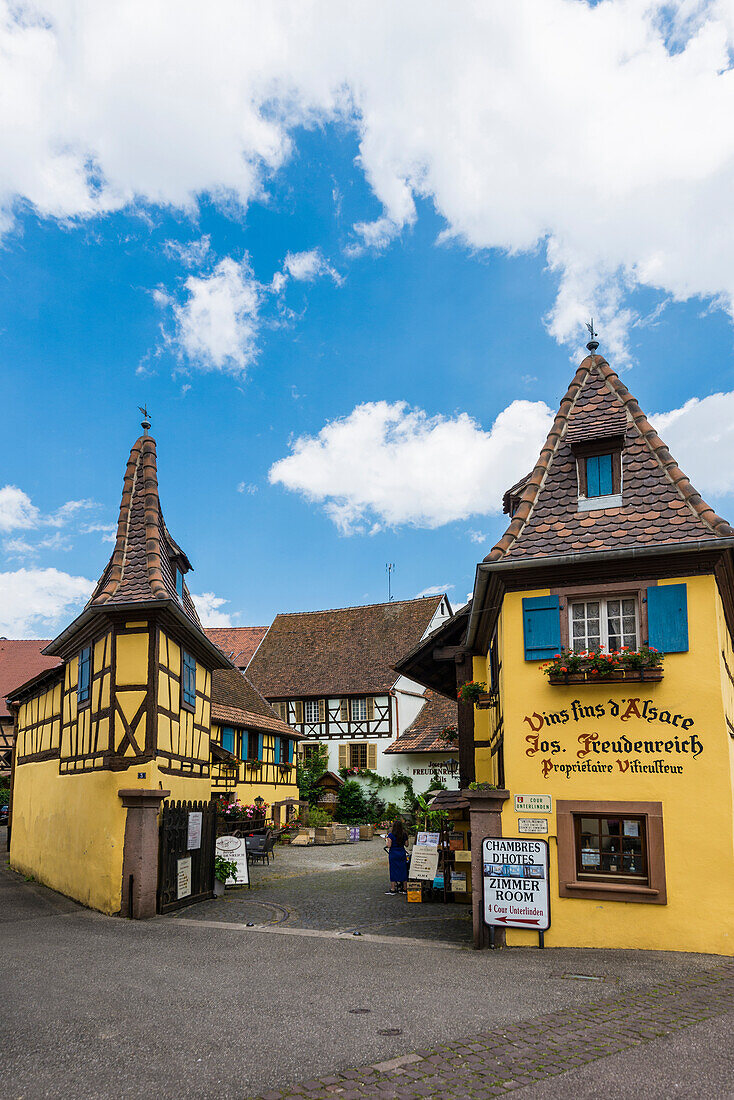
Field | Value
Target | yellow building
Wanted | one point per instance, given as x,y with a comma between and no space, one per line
126,719
626,771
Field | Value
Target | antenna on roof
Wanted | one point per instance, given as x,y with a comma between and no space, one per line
146,419
593,343
389,569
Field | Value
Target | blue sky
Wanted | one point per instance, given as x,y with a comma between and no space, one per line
377,311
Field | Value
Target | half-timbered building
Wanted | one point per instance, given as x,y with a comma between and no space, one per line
330,675
20,660
127,713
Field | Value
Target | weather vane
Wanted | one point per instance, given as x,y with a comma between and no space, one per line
146,421
593,343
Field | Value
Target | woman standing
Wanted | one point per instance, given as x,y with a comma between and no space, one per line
397,840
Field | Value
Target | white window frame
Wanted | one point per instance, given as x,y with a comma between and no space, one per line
311,712
603,601
356,705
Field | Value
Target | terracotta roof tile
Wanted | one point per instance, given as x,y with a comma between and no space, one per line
424,734
237,642
659,504
237,702
346,651
20,660
142,565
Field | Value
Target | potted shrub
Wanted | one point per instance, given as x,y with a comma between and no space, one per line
475,691
223,869
565,668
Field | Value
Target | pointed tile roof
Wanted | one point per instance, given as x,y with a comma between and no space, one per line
659,504
143,564
237,702
426,732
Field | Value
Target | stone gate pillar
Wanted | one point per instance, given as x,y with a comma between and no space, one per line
485,819
140,853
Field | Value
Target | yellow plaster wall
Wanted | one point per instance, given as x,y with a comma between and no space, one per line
46,709
69,830
177,734
697,803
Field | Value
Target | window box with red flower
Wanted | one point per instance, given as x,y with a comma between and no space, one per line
595,666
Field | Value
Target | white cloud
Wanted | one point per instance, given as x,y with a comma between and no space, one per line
189,253
33,602
247,487
208,604
477,536
17,512
307,266
388,464
700,436
600,133
434,590
217,326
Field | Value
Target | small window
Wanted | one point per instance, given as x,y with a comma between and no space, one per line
611,847
228,739
609,623
85,671
281,709
179,584
599,481
286,750
188,686
308,752
358,756
253,746
311,711
359,711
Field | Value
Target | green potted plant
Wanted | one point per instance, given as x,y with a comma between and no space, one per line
223,869
475,691
567,667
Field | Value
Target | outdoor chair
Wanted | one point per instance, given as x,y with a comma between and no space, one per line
256,850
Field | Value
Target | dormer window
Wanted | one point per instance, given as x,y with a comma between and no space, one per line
599,472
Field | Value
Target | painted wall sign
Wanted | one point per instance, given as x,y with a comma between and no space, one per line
194,831
183,882
516,887
666,746
423,862
533,803
234,849
532,824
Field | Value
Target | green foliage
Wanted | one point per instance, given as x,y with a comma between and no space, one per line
483,787
309,772
351,804
436,784
224,868
318,818
4,793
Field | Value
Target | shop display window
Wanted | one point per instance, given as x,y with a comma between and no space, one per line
611,848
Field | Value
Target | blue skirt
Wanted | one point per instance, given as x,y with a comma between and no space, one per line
398,859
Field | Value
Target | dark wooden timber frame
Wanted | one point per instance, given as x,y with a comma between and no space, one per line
334,728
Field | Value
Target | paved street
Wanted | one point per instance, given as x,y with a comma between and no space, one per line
198,1004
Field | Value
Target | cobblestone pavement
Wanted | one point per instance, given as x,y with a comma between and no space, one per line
519,1057
340,888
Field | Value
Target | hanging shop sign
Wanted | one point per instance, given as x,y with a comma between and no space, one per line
533,804
194,830
183,878
516,887
423,862
234,849
532,824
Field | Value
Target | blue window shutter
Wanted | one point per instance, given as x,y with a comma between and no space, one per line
290,752
592,476
260,746
228,738
276,743
179,583
605,475
85,661
667,618
542,627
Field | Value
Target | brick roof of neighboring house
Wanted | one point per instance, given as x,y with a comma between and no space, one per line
660,506
237,702
237,642
142,566
20,660
346,651
424,734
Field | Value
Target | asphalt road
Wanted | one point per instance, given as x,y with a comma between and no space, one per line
103,1007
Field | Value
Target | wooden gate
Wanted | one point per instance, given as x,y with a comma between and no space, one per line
187,836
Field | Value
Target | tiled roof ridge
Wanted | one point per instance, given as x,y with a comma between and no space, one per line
361,606
537,477
142,454
656,445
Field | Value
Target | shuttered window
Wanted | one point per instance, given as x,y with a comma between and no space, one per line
228,738
370,709
372,757
541,627
85,675
359,711
342,756
179,584
322,710
667,618
343,710
358,755
311,711
188,676
599,476
276,749
298,707
260,747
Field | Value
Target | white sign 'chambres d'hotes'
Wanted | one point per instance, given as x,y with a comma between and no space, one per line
516,888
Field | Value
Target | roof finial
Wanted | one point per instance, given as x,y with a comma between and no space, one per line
146,421
593,343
